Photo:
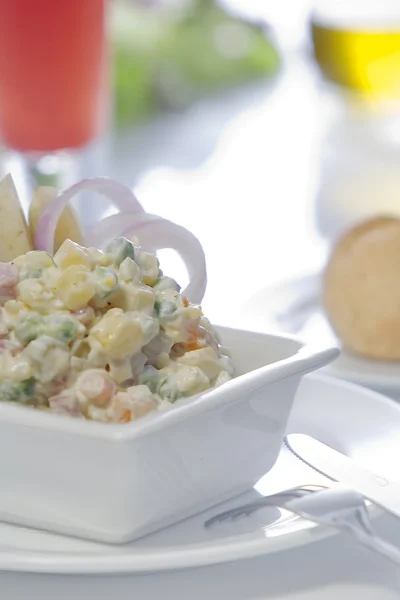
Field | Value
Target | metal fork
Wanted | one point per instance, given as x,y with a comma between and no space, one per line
336,507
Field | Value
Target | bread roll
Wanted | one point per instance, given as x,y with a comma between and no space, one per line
362,289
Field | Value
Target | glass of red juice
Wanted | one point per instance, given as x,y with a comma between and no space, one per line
52,74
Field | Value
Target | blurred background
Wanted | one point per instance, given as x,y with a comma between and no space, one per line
264,126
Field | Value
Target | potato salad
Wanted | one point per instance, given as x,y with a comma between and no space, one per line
102,335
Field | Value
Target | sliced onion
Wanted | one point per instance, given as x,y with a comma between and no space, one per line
156,233
120,195
111,227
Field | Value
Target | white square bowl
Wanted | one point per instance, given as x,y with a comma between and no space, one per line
115,483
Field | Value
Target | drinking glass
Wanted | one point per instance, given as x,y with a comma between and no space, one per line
356,45
52,84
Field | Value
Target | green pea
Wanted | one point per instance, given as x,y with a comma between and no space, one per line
150,327
120,249
160,383
33,274
22,391
166,283
106,282
36,261
167,389
26,389
150,377
61,327
29,328
165,309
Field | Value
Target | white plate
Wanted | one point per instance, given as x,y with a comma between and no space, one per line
326,408
294,307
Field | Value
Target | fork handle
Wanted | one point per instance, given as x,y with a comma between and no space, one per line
377,545
358,527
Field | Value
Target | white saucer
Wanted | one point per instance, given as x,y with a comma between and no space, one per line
324,407
294,307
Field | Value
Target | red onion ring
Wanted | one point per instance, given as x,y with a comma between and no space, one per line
155,233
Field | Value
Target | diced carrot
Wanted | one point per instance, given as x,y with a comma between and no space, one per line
193,346
126,417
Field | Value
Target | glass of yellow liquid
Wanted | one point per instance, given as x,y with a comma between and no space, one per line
357,45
